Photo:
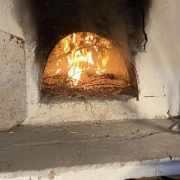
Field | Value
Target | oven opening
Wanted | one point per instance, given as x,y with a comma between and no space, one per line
84,64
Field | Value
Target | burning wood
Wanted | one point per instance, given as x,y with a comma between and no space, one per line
99,86
87,65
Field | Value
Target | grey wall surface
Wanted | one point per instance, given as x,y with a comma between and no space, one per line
12,81
12,69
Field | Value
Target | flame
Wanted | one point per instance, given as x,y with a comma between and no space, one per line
58,70
75,74
80,57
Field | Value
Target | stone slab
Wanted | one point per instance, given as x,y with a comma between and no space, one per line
70,149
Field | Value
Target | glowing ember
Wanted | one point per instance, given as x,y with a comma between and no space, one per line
58,70
86,61
80,51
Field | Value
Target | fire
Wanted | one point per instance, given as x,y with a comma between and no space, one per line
84,53
58,70
78,64
85,64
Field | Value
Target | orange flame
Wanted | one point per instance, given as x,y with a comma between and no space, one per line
79,50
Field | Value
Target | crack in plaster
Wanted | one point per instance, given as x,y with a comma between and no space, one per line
98,139
170,157
48,143
166,8
173,3
92,111
144,31
144,136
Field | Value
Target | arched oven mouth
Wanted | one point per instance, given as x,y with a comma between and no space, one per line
85,65
119,22
119,26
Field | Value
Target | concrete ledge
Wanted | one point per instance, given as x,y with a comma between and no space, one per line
111,171
116,150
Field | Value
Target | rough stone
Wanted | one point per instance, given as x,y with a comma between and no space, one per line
12,81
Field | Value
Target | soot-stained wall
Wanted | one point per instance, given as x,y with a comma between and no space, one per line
120,21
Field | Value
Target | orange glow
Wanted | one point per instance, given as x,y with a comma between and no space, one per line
85,64
58,70
79,55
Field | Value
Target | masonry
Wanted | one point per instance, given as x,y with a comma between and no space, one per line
154,57
29,30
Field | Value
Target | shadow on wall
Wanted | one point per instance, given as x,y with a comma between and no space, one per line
69,13
41,27
135,13
39,21
29,18
179,101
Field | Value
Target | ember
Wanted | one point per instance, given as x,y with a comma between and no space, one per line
85,65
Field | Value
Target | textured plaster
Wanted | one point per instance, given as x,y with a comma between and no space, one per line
95,110
12,81
158,67
8,22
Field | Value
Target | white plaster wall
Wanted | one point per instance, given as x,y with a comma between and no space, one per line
8,23
12,81
158,68
12,69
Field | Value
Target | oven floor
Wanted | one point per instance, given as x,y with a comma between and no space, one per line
59,151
